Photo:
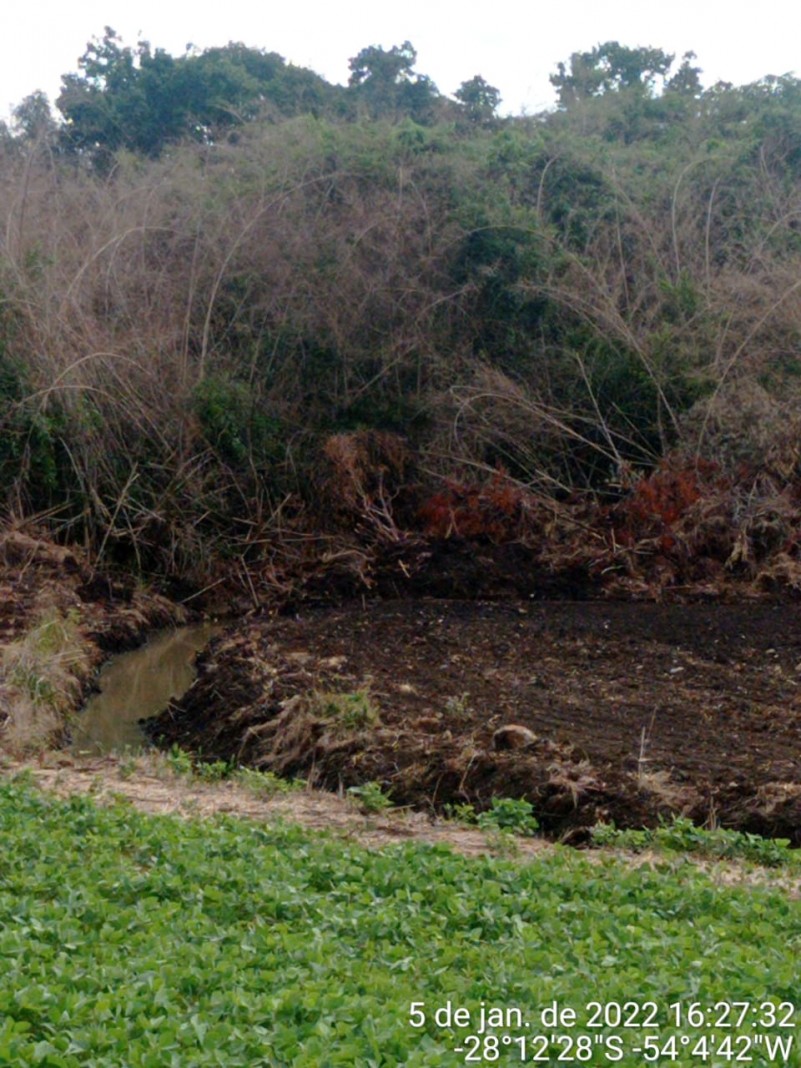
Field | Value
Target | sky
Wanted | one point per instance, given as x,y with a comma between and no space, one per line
513,45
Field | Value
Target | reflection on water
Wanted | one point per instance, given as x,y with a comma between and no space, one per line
137,685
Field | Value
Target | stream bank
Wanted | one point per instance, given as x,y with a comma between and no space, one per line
59,621
593,711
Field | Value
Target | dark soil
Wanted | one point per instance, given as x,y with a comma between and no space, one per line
639,710
40,578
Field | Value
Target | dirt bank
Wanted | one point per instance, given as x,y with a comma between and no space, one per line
593,711
59,619
635,710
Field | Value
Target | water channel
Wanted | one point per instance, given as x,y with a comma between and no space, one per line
137,685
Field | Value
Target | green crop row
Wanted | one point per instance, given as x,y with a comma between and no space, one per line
136,940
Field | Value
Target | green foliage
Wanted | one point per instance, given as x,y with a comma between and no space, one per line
144,940
687,79
180,762
32,459
385,82
370,797
510,814
479,99
186,766
382,69
213,770
34,122
266,784
609,67
235,425
683,836
462,813
144,99
577,198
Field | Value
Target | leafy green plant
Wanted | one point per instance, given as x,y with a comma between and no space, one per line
266,783
461,813
370,797
247,943
235,425
213,770
682,835
179,761
510,814
32,457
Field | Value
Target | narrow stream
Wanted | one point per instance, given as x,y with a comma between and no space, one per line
138,685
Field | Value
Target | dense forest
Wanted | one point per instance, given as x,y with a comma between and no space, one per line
255,324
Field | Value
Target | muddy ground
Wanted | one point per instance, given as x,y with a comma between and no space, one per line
59,620
619,711
636,711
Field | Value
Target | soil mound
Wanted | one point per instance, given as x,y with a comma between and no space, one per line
637,711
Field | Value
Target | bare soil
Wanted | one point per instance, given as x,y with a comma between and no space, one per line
636,711
619,711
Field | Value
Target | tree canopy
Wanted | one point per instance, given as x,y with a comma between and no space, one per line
609,67
143,98
385,80
480,99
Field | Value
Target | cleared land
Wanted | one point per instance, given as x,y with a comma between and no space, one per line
639,710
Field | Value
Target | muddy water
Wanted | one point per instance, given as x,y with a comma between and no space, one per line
137,685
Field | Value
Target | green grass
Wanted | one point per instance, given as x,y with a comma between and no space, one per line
136,940
349,711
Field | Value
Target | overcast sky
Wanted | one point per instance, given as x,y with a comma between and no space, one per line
514,45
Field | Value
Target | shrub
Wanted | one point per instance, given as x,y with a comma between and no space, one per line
682,835
370,797
235,425
510,814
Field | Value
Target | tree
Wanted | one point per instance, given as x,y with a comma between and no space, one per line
687,79
381,69
144,99
610,67
106,105
479,99
386,81
33,119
